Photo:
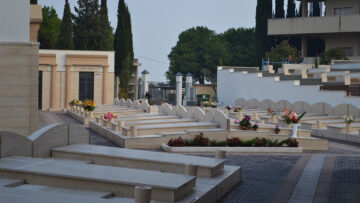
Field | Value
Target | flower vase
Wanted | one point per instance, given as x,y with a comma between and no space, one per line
294,130
227,112
91,114
348,127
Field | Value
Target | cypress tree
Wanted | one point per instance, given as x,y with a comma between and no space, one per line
33,1
263,41
66,33
290,12
123,45
106,36
86,25
316,9
279,9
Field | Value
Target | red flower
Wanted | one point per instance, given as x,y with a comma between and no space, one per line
294,119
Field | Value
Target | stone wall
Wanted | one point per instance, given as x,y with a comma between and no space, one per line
19,87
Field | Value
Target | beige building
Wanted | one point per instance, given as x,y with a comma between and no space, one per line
65,75
339,28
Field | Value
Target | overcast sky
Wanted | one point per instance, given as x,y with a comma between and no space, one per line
157,24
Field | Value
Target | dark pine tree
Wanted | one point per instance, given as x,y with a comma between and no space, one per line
290,12
65,40
86,25
106,33
263,41
33,1
279,9
316,9
123,45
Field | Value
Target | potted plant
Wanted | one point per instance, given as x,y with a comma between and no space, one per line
255,127
348,121
245,123
292,118
277,129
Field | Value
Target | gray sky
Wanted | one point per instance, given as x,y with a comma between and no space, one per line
157,24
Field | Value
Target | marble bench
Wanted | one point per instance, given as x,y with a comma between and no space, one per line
79,175
161,128
170,163
341,128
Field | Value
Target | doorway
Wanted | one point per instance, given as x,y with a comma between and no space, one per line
86,85
40,90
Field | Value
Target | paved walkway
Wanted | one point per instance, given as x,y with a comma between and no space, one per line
312,176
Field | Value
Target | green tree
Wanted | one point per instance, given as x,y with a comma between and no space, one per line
240,44
86,25
198,51
333,54
106,32
33,1
49,28
263,41
290,12
65,41
316,9
123,44
282,51
279,9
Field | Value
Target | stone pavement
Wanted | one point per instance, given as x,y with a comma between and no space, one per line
332,176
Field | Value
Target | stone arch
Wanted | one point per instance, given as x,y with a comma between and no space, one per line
13,144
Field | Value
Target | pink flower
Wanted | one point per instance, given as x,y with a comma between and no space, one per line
236,121
277,126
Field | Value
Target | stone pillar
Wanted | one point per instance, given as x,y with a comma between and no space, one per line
67,85
142,194
53,88
178,88
133,131
305,8
145,80
105,84
323,77
220,154
189,82
304,46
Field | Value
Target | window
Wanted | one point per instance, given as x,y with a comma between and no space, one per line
86,85
345,11
348,51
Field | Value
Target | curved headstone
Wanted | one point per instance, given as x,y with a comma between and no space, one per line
122,102
13,144
44,139
220,118
129,103
199,114
145,106
181,111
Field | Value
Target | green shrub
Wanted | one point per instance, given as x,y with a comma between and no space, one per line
291,142
234,142
260,142
333,54
200,140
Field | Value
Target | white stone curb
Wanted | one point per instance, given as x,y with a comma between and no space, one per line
233,149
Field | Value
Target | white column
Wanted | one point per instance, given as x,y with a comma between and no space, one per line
145,80
189,81
178,88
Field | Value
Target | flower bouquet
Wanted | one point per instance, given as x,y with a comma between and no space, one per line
89,105
245,123
238,109
213,104
277,129
228,108
349,119
205,104
72,104
109,116
292,117
255,127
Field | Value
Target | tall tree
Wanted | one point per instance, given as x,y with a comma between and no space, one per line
33,1
290,12
65,41
263,41
198,51
86,25
316,9
279,9
106,32
240,44
49,28
123,45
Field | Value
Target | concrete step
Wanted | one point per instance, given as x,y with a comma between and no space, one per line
159,161
5,182
66,191
77,175
141,115
165,121
143,118
163,128
29,196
